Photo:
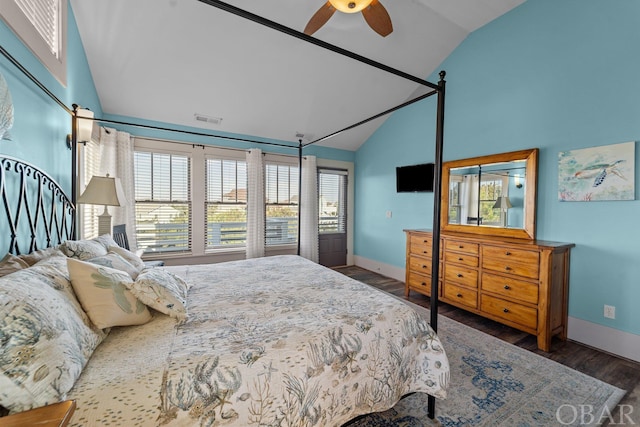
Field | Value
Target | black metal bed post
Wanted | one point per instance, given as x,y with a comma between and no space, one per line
437,191
74,168
299,190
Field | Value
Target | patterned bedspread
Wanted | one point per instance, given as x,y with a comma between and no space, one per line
276,341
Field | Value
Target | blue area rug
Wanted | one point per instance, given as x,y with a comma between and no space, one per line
494,383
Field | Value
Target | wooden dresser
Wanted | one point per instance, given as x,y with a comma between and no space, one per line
517,282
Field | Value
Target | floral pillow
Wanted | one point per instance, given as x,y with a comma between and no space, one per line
104,296
11,263
45,337
162,291
83,249
113,260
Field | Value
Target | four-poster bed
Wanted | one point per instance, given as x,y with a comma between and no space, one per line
417,357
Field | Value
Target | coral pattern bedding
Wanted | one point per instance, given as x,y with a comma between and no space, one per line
276,341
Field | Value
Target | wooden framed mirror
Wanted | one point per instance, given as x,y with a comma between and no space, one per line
491,195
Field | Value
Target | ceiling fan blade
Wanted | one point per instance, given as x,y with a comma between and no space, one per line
378,18
319,18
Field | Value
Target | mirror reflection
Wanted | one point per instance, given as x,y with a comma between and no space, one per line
490,195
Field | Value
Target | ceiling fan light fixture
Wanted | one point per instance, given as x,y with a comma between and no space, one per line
350,6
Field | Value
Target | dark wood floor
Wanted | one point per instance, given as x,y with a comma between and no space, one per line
614,370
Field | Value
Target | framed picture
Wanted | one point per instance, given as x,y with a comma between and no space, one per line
598,173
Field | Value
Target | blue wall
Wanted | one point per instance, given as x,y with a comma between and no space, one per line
554,74
40,125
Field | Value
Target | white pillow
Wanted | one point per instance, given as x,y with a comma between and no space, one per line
162,291
131,258
104,296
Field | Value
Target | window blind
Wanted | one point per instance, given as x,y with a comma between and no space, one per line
281,203
44,15
226,203
332,203
163,201
90,166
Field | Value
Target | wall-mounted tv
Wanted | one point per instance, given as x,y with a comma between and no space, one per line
414,178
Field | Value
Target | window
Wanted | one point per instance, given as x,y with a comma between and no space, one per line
226,203
281,203
89,166
332,201
491,187
42,27
163,201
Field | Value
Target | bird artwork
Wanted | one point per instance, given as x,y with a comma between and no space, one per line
599,172
6,110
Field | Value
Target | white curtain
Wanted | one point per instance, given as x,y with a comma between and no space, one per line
309,209
469,198
255,204
116,159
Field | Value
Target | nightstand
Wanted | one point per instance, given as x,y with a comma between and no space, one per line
55,415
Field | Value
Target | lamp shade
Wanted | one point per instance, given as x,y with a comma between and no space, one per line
503,203
350,6
85,124
103,190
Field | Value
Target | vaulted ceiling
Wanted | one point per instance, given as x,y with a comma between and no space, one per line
169,60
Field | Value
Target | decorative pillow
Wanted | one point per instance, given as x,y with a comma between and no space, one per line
11,263
39,255
106,240
113,260
162,291
131,258
104,296
45,337
83,249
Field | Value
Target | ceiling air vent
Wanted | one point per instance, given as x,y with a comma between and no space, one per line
207,119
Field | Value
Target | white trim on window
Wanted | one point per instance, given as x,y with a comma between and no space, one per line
42,27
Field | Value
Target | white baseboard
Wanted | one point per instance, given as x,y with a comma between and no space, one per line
379,267
603,338
607,339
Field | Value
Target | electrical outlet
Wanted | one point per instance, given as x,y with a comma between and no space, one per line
609,311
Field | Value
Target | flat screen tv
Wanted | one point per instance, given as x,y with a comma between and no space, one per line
414,178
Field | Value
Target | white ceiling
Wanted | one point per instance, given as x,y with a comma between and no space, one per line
166,60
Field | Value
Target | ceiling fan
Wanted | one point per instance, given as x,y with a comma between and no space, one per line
374,13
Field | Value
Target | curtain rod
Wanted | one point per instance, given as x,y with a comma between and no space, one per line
297,34
188,132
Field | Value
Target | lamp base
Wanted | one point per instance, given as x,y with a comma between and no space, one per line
104,223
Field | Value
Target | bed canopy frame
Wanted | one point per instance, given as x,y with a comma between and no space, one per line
55,220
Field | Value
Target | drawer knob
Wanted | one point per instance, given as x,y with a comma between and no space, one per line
460,259
506,310
507,287
459,295
423,284
459,275
424,252
460,247
507,253
424,266
507,268
425,241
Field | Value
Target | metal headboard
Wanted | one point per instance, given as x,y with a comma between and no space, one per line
39,213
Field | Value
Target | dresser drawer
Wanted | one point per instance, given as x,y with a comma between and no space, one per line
510,287
517,313
461,275
420,282
419,265
421,245
460,258
461,246
468,297
512,261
